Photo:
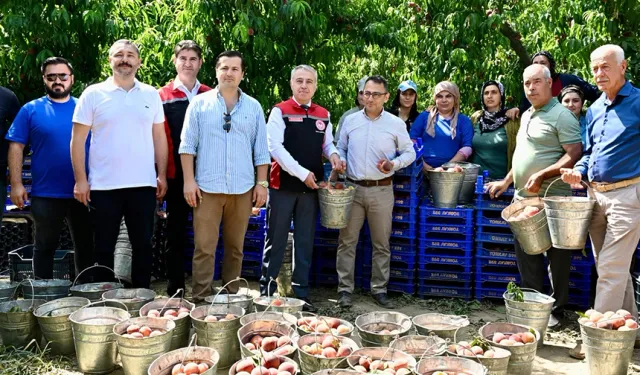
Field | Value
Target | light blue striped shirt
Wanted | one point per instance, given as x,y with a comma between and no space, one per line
225,161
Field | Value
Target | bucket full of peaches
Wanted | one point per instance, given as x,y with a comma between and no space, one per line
322,351
495,359
266,336
310,323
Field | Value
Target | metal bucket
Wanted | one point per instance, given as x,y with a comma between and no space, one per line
370,324
569,219
521,360
286,270
608,352
134,298
165,363
280,317
444,326
533,312
311,363
419,346
232,369
219,335
18,328
384,354
264,328
55,325
305,330
338,372
289,305
180,338
498,365
47,290
241,300
456,365
532,233
138,354
122,256
445,188
95,343
468,189
93,291
335,206
8,290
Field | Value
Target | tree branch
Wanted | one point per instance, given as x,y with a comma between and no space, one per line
516,44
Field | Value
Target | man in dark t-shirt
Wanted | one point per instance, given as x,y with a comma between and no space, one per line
9,107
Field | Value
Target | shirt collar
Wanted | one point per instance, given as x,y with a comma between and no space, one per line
294,99
372,119
113,87
219,96
177,83
547,107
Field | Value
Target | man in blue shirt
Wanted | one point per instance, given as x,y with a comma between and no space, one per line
611,165
45,124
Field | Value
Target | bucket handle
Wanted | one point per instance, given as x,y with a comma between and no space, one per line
95,265
180,290
217,294
446,342
589,190
192,344
33,293
485,371
535,291
271,304
104,301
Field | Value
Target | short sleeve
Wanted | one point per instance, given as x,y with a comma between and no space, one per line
83,114
20,128
419,125
466,131
568,128
159,116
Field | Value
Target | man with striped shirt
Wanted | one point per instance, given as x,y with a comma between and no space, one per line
225,130
176,96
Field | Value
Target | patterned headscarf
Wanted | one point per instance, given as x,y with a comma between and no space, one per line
451,88
490,121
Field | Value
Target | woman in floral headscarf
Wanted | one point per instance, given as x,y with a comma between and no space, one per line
446,133
494,139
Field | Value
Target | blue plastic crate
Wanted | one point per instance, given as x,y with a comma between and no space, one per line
445,244
443,236
446,276
484,264
252,242
502,278
403,230
408,200
494,235
256,234
404,215
405,274
327,233
445,252
429,213
412,170
442,291
449,268
261,218
581,268
489,293
496,253
252,256
486,203
398,259
580,302
445,259
465,230
577,256
480,182
326,279
323,242
401,287
490,219
408,183
405,245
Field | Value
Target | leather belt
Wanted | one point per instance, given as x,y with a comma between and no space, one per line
603,187
369,183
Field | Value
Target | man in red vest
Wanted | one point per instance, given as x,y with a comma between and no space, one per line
299,133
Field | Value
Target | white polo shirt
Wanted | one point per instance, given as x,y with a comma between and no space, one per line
121,154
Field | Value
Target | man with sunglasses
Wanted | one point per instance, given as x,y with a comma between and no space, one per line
176,95
299,135
369,143
128,143
45,124
224,129
548,139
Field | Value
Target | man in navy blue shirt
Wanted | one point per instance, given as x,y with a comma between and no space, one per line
611,163
45,124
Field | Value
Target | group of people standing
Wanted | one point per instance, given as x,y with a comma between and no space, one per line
123,146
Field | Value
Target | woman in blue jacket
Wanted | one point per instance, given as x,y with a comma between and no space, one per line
446,133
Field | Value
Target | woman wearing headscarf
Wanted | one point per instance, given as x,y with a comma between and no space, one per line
359,104
446,133
573,99
560,80
494,134
404,104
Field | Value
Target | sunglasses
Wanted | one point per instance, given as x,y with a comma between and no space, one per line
227,122
53,76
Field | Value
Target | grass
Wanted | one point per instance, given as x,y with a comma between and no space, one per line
32,360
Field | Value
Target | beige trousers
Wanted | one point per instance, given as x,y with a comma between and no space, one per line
615,232
233,210
376,205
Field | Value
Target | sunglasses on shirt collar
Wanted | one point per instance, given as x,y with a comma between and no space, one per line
227,122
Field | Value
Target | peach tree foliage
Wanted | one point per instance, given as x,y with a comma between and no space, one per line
466,41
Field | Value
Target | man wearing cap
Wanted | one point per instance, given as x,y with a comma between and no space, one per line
358,107
369,142
298,134
404,105
610,164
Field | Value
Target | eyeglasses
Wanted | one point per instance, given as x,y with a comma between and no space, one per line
51,77
375,95
227,122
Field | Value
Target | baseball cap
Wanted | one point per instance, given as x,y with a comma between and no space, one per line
406,85
361,83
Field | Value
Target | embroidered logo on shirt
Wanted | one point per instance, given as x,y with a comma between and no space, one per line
320,125
296,119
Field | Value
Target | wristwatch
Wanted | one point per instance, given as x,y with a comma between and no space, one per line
264,184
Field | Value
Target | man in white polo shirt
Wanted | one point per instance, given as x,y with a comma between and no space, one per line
126,121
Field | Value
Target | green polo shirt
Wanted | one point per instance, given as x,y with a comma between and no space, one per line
539,144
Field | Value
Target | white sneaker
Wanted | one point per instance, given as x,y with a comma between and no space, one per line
553,321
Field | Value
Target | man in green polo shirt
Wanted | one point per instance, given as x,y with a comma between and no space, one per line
548,139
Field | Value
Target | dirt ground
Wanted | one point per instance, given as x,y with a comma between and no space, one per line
552,358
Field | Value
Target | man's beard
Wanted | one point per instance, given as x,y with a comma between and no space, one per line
57,94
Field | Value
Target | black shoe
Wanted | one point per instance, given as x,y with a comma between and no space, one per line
345,300
308,306
382,300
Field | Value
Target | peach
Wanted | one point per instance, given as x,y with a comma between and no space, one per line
277,302
270,360
322,328
333,322
595,316
477,350
630,323
343,351
184,309
284,373
608,314
288,367
153,313
284,350
617,321
283,340
452,348
171,312
230,317
313,323
365,362
528,337
376,365
583,320
182,315
589,324
245,365
260,371
589,312
242,373
389,371
137,335
155,333
146,331
515,338
464,344
403,371
518,343
256,340
507,342
624,328
273,371
133,328
399,363
359,368
329,352
384,332
250,346
176,369
489,353
624,313
603,324
329,342
210,319
269,343
191,368
203,367
342,329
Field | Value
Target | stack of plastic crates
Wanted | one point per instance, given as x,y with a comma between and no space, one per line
325,249
26,181
445,252
253,245
581,293
495,253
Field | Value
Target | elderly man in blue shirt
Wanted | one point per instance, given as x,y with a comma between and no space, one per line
611,164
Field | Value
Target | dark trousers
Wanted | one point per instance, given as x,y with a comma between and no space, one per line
304,209
178,215
3,194
137,205
532,270
49,215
